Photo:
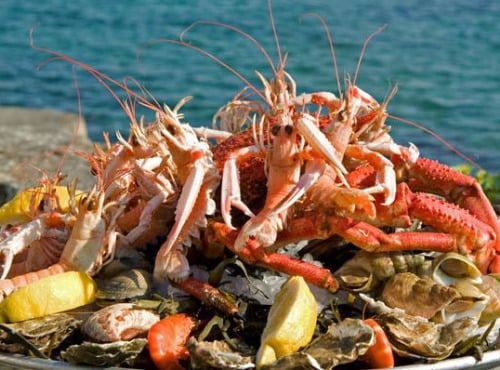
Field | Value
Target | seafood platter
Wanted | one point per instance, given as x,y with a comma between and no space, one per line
292,233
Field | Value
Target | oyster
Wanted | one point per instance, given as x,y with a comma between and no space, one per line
415,337
342,343
45,333
216,355
366,271
491,287
107,354
134,283
120,321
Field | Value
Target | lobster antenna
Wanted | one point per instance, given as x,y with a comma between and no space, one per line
75,130
332,50
275,31
439,138
99,76
362,53
211,56
237,30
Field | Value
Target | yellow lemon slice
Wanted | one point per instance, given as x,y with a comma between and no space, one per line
290,323
18,209
52,294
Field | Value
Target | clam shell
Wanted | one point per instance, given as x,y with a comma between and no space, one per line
417,296
451,267
130,284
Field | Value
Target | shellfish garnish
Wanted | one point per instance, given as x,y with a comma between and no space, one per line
117,322
415,337
105,354
417,296
449,268
45,333
366,271
342,343
216,354
134,283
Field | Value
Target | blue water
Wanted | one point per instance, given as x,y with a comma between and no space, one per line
444,56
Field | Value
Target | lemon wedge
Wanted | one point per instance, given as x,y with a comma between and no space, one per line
52,294
18,209
291,322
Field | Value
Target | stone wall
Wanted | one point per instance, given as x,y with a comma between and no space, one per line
34,142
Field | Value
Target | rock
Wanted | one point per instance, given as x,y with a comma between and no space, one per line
34,141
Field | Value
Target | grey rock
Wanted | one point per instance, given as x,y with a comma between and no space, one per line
34,142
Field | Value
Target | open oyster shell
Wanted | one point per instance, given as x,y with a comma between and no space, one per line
414,337
105,354
45,333
216,355
341,344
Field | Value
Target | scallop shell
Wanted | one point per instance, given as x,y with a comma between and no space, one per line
118,322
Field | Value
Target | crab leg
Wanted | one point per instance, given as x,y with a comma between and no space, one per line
254,253
432,176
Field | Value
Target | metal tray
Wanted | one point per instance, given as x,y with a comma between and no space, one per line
491,360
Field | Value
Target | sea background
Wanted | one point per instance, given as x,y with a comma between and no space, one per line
443,55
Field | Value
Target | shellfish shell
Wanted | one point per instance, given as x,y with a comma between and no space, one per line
414,337
366,271
449,268
134,283
417,296
118,322
342,343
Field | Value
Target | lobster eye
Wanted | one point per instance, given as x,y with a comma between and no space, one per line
93,171
83,200
275,130
288,129
171,128
342,115
91,205
133,139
